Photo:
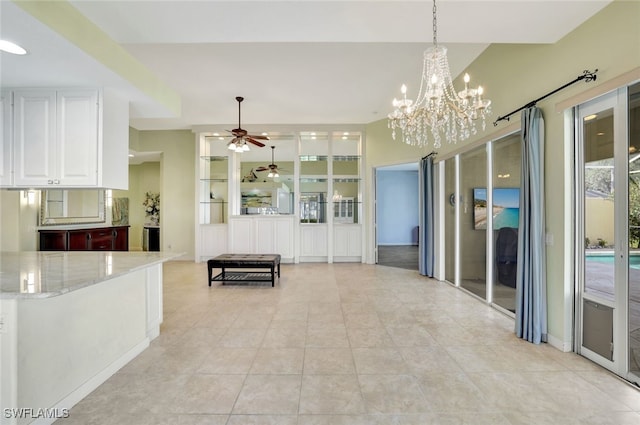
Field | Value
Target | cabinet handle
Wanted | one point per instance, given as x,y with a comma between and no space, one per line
56,182
49,181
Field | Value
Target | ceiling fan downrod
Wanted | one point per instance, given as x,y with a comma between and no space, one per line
239,99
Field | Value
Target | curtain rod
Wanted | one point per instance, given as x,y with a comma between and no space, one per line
588,76
432,153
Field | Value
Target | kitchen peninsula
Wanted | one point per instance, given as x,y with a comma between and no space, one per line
70,320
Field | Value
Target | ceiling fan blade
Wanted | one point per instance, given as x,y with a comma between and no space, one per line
254,141
261,169
254,136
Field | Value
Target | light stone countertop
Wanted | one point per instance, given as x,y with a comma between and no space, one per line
44,274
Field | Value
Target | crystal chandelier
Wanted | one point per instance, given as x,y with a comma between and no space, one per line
438,109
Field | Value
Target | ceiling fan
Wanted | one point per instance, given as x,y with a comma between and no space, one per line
241,137
273,168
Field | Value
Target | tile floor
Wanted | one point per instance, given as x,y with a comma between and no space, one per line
347,344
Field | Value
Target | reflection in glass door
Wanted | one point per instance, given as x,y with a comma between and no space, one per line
473,221
634,232
507,164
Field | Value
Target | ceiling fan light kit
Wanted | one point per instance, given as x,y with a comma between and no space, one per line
240,136
272,168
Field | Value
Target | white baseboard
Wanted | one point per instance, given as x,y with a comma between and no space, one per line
564,346
311,259
85,389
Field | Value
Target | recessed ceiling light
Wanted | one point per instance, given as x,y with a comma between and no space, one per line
216,134
9,47
346,133
131,155
600,134
265,134
590,117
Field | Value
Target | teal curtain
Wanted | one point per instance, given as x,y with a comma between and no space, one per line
426,259
531,285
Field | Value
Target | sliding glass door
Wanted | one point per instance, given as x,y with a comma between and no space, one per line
473,216
608,231
507,164
481,212
634,232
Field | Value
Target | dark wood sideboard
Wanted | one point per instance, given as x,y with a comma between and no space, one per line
89,239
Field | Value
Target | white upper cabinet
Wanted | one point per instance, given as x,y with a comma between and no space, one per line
35,142
78,137
6,177
69,138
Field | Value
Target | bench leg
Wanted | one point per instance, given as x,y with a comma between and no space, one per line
223,275
210,269
273,277
278,270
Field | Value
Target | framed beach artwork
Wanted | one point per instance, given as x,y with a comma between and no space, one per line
506,208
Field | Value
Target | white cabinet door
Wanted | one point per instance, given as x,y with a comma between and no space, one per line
6,126
57,140
213,241
283,237
313,241
78,143
274,236
347,241
241,236
262,235
265,236
34,137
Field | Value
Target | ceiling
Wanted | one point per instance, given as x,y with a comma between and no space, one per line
295,62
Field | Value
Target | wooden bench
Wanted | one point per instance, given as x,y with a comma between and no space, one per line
244,261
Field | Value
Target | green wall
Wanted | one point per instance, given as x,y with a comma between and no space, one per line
177,179
513,75
143,178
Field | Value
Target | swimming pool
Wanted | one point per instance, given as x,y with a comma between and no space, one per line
606,257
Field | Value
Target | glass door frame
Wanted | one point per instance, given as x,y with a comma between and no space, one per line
616,101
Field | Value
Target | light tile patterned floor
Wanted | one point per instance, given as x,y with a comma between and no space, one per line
347,344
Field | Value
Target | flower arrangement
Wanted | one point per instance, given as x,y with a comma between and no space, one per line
152,206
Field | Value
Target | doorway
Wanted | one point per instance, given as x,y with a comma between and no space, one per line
397,209
608,231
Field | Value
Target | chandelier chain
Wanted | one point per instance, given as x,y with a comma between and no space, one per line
435,26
